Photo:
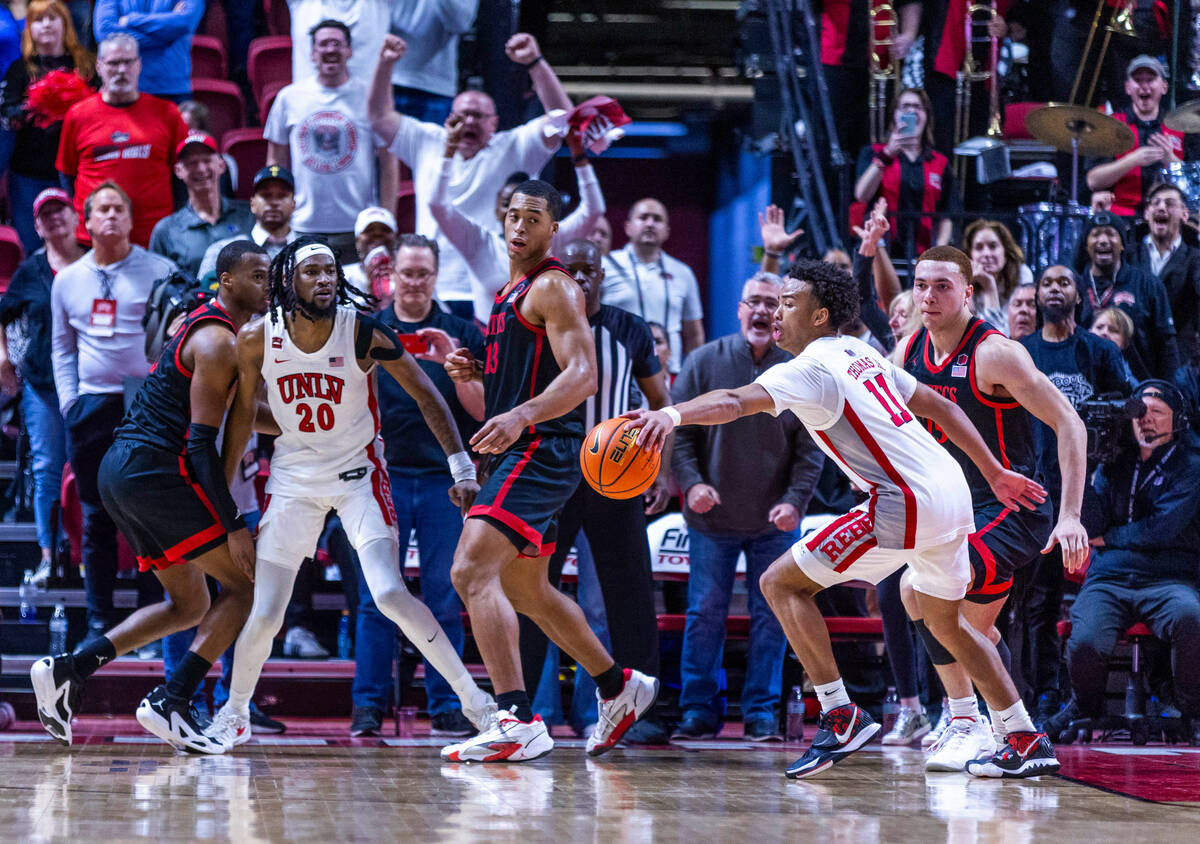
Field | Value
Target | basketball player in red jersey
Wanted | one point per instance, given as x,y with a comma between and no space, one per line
539,370
996,384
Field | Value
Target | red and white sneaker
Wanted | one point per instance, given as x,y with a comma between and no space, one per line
230,727
506,739
620,713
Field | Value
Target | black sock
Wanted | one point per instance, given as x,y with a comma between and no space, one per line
610,682
92,654
518,699
188,676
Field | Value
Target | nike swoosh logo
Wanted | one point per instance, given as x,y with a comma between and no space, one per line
594,448
431,638
842,737
281,360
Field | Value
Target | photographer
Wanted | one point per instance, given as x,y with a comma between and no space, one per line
1143,517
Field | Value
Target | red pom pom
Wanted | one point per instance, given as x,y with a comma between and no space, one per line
51,96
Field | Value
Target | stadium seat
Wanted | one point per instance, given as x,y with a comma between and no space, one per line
11,254
223,98
269,60
406,208
268,97
208,57
249,150
213,23
279,19
1014,121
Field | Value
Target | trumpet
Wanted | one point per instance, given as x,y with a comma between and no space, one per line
884,26
1120,23
978,23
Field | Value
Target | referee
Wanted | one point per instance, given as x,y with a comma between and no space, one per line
616,530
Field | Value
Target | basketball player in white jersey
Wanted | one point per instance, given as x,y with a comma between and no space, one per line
318,362
861,410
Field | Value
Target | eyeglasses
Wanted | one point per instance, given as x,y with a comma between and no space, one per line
471,114
759,302
415,275
119,62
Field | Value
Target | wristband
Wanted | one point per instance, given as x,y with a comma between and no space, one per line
528,65
461,467
770,254
676,419
883,160
580,159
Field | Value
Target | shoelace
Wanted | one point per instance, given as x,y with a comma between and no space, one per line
951,734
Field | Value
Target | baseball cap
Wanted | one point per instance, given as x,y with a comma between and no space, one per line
274,171
202,138
374,214
50,195
1147,63
1104,219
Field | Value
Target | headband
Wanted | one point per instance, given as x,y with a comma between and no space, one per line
310,249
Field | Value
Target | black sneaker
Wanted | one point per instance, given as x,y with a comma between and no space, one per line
1057,726
762,729
647,731
1021,755
840,732
58,690
176,722
694,727
366,721
264,723
452,723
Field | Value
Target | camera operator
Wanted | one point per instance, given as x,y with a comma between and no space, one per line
1142,516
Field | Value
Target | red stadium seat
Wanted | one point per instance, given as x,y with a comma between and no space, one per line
268,96
11,254
226,108
269,60
249,149
1014,121
213,23
279,19
208,57
406,208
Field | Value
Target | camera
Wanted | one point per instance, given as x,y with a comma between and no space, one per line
1107,421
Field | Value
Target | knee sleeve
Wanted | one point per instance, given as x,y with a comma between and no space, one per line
937,651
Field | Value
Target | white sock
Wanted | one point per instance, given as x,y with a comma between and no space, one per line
965,707
913,703
1013,720
832,695
272,591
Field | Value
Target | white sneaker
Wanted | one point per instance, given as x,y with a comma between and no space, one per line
617,715
506,740
965,740
480,709
943,721
230,728
910,726
301,643
176,723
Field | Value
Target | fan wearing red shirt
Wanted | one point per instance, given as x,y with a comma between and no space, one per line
123,135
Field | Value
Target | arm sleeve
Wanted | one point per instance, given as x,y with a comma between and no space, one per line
872,315
365,335
591,207
104,18
276,128
64,351
467,236
165,28
209,473
67,163
415,137
457,15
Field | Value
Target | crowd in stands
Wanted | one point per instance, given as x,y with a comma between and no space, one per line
129,184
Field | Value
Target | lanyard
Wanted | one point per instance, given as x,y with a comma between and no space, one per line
666,280
106,284
1099,301
1135,487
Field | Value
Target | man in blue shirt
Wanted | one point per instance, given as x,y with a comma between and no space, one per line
163,29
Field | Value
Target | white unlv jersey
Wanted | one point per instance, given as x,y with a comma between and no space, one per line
326,409
851,399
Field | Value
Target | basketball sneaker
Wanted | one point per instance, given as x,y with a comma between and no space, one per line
618,714
943,721
840,732
965,739
230,727
480,709
175,722
1021,755
506,740
58,690
910,726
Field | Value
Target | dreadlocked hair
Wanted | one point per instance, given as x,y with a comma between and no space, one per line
281,295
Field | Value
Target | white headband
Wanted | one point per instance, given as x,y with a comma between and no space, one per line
310,249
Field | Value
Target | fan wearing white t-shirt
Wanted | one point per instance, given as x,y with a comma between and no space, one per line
484,158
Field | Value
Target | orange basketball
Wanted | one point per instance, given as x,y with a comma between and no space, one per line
614,464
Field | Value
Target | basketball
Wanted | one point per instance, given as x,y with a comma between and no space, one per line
614,464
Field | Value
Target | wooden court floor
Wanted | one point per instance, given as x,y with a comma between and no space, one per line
124,786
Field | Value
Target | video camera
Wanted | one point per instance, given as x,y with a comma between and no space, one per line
1107,421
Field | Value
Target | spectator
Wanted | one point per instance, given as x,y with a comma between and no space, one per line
1114,325
368,21
49,43
903,318
163,30
272,204
318,129
425,81
483,159
662,347
196,117
124,136
10,36
1164,247
1152,353
601,235
1143,523
97,342
420,483
645,280
746,485
1022,311
374,228
910,174
1155,145
999,267
208,217
25,325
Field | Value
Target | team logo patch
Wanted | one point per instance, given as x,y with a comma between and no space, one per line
276,342
959,369
119,137
328,142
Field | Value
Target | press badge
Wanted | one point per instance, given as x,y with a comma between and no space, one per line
104,317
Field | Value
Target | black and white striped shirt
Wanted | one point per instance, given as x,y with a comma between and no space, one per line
624,351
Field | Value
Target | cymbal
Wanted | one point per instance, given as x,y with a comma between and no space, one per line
1184,119
1057,124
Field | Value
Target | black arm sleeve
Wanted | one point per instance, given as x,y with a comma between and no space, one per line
871,314
365,334
208,472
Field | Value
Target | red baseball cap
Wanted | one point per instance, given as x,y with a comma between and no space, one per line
202,138
50,195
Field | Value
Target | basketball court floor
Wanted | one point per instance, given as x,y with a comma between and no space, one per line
314,784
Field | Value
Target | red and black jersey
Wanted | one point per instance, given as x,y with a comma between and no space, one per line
944,24
519,362
162,410
845,26
1002,422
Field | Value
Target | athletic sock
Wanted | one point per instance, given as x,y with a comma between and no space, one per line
1013,720
832,695
610,682
965,707
92,654
518,699
187,677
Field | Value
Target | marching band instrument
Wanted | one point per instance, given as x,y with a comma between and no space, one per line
1184,119
1076,129
884,73
1120,23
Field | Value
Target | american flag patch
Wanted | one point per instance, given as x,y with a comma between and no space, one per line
276,342
958,372
338,361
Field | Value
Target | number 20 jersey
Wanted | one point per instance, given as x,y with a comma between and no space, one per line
326,409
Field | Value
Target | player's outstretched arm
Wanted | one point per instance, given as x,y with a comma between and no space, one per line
1012,489
240,423
715,408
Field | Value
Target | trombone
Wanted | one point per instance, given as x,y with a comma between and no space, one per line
883,28
978,22
1120,23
